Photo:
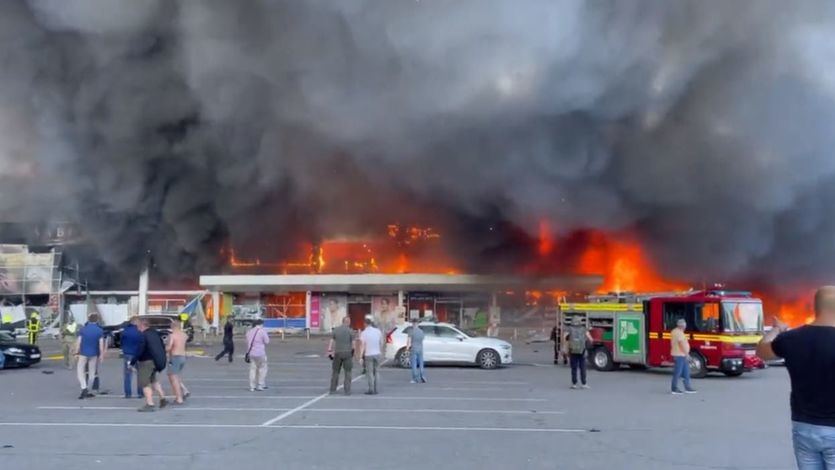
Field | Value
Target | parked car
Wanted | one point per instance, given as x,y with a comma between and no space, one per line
161,322
17,354
444,343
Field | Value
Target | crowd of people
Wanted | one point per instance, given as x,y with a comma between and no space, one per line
144,356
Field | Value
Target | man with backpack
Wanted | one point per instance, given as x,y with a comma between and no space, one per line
577,337
150,360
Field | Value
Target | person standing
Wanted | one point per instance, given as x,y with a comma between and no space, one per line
341,352
680,350
414,344
228,341
577,337
149,361
257,341
176,350
372,342
131,340
69,335
89,347
33,326
809,352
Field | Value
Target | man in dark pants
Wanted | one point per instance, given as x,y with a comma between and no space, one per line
228,341
577,336
131,339
341,351
809,352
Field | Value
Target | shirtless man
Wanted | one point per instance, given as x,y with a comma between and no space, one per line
176,349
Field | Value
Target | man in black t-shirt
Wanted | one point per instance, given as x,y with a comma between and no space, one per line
809,352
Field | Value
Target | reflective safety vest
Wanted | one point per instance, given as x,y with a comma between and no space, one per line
7,318
71,329
34,323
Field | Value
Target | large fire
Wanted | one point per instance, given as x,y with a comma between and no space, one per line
618,257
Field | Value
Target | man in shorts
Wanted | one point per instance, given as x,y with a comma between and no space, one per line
150,360
176,349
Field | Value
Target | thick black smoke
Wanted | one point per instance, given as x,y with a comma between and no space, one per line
172,127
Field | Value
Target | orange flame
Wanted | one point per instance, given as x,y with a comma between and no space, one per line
623,264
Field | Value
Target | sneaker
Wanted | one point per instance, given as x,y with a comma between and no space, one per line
146,408
83,394
677,392
423,380
163,403
265,387
585,387
128,396
413,382
690,391
260,389
574,387
369,393
251,389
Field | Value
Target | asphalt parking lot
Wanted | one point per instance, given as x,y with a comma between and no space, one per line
521,416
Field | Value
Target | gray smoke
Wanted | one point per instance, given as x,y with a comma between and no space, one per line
172,127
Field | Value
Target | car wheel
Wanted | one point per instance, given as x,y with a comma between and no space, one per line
601,358
403,359
488,359
698,366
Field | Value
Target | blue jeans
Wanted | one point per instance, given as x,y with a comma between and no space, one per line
681,370
127,373
814,446
416,359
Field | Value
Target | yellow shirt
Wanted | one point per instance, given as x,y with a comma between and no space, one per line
678,343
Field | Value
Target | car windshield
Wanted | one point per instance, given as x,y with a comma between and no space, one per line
6,337
742,316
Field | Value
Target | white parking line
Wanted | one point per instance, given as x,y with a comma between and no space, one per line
293,426
384,397
183,408
253,396
304,405
314,410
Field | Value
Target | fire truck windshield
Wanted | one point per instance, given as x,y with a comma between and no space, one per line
739,317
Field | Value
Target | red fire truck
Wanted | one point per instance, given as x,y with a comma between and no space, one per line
723,328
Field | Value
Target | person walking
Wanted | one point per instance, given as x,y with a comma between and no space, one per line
69,335
809,352
33,327
257,339
577,338
341,352
680,350
372,343
414,344
89,349
149,361
228,341
176,349
131,340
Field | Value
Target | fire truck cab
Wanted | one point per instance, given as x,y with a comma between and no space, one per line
723,328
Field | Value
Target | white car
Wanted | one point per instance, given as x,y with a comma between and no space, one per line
445,343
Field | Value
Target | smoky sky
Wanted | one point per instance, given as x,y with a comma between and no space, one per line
176,127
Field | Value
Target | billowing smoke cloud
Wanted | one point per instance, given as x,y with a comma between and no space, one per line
172,127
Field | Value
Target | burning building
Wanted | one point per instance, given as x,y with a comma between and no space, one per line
687,145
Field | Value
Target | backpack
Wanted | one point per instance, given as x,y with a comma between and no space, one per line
576,340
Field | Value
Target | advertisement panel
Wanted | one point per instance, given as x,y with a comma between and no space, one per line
383,308
332,309
22,272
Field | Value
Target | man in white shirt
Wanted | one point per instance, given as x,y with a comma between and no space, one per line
372,342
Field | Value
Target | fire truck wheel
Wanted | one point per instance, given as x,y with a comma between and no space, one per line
698,366
403,359
601,358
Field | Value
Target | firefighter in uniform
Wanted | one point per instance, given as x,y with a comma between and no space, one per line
33,326
69,334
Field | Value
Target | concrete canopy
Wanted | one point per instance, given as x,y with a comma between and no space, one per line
389,283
